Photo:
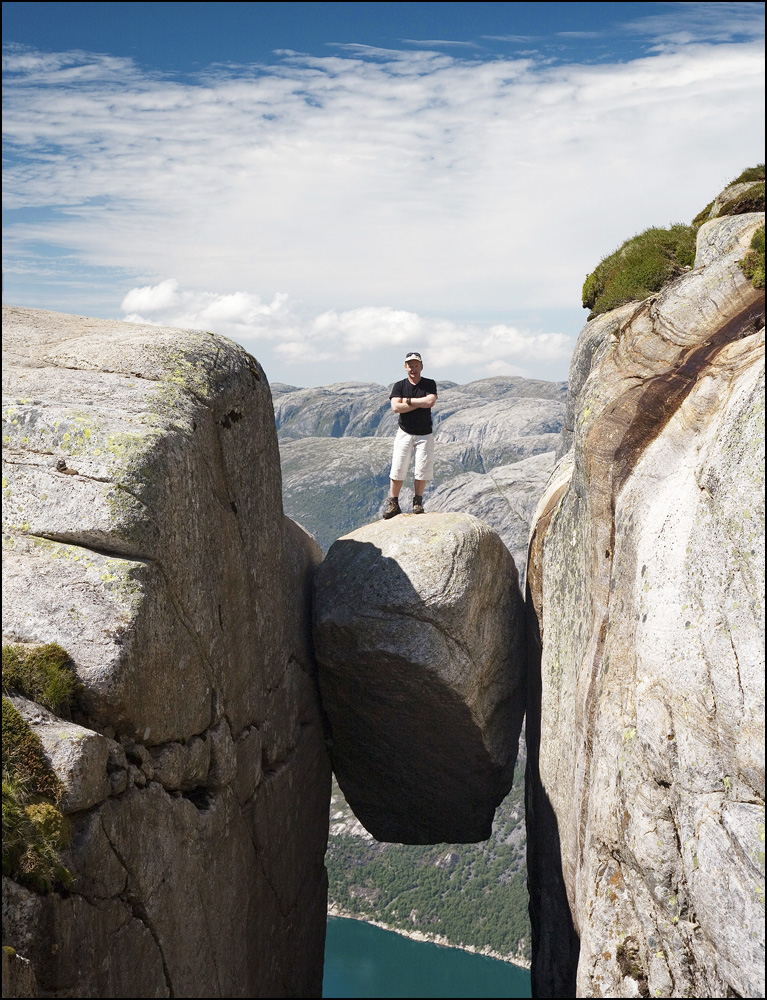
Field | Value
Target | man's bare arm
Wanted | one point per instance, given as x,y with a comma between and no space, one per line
401,405
425,402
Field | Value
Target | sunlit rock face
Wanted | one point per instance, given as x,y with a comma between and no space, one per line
418,636
144,533
646,719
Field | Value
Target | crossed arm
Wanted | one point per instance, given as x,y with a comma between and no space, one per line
401,405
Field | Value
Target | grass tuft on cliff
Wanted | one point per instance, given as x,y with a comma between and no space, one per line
23,755
750,200
42,673
641,266
749,174
753,263
34,830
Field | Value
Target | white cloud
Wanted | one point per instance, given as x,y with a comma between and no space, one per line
297,337
476,191
685,23
152,298
241,315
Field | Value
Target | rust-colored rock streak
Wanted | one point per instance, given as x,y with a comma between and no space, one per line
644,572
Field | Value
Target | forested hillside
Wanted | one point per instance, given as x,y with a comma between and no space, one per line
473,895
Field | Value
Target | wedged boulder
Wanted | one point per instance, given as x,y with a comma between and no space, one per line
645,723
418,636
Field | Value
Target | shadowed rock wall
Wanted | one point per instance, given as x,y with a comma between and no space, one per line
419,638
143,531
646,719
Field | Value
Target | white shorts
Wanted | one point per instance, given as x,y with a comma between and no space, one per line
404,444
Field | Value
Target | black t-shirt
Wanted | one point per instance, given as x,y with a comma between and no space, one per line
416,421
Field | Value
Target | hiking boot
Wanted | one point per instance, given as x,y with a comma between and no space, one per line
418,505
392,508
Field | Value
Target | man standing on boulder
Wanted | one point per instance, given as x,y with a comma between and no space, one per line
412,398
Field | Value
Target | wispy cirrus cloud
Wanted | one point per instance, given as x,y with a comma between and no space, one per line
689,23
430,42
416,183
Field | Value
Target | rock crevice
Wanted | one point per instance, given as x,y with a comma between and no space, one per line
645,554
196,667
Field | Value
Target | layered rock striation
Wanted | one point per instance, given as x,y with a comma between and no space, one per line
646,720
418,635
144,533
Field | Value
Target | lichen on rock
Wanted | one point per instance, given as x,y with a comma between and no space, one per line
144,533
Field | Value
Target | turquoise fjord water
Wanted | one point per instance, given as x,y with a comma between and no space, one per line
365,961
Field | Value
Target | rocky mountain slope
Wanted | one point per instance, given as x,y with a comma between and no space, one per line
645,722
503,497
142,501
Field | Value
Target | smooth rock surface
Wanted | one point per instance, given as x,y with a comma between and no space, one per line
144,532
418,634
646,719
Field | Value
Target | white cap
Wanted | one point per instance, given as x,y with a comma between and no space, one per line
414,356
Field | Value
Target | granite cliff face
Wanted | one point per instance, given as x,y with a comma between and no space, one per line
646,717
143,532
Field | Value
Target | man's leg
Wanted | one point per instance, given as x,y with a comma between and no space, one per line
418,487
403,446
424,469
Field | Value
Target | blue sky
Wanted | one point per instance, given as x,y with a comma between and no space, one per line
333,184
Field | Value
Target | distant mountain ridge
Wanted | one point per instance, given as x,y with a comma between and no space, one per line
362,409
335,446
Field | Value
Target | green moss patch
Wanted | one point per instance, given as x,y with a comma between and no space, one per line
34,830
43,673
23,756
753,262
641,266
34,835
